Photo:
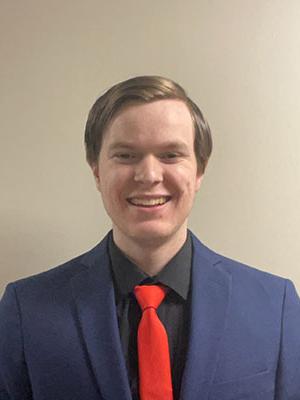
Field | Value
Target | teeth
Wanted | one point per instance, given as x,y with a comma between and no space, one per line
149,202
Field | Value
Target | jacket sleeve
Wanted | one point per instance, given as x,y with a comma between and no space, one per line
288,372
14,380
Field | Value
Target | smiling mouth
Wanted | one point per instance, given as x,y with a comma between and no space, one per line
140,202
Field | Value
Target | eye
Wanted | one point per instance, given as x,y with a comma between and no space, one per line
170,156
125,157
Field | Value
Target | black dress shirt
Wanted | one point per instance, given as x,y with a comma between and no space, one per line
173,311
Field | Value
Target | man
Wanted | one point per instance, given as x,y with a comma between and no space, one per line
83,330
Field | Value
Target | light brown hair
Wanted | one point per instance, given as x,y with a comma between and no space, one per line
143,89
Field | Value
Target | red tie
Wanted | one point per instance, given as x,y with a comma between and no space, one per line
155,380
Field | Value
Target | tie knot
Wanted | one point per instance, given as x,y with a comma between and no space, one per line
150,295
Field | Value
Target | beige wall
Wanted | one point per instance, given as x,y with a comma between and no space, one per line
239,59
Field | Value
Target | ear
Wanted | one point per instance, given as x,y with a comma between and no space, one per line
199,178
95,170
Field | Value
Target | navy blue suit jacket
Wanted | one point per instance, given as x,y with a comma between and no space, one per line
59,336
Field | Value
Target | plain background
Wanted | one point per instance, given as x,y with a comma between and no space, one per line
238,59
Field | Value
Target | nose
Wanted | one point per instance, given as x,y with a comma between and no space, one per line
148,171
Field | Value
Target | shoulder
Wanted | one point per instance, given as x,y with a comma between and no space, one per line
59,276
240,273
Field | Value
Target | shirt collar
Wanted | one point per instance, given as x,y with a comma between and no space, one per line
175,274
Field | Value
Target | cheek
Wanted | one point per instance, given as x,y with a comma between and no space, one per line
184,178
113,188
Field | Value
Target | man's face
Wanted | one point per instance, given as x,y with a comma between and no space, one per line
147,171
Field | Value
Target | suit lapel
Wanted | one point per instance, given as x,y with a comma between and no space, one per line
93,294
210,292
95,305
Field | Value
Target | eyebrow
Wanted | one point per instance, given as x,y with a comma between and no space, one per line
177,145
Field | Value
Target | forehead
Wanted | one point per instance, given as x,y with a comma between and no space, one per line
167,117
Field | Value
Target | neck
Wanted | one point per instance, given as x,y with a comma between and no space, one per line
150,255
